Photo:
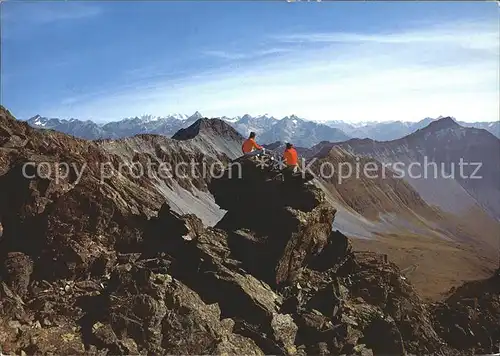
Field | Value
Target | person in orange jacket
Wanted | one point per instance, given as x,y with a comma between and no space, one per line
291,158
252,148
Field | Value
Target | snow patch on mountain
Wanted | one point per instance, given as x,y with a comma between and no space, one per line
39,122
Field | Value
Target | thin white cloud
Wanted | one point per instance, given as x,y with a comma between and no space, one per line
245,55
405,76
483,37
44,12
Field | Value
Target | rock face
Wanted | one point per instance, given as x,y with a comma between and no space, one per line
85,269
139,173
274,226
470,317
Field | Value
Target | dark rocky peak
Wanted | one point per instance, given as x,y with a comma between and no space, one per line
443,123
448,130
206,126
317,148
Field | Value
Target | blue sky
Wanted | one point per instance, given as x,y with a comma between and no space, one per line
356,61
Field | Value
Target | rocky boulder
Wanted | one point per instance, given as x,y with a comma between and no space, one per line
470,317
274,224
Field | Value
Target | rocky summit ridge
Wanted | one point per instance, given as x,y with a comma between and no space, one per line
82,272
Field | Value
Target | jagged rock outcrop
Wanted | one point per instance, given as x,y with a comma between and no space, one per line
101,269
470,317
274,225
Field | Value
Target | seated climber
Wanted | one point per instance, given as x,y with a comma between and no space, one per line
252,148
291,159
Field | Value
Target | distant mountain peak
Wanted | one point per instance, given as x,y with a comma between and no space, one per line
149,118
38,121
301,131
442,123
196,115
202,126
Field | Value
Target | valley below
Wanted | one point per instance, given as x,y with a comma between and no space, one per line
433,266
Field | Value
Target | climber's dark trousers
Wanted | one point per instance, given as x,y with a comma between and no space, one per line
289,171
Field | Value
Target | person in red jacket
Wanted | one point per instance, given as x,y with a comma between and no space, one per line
290,156
292,168
252,148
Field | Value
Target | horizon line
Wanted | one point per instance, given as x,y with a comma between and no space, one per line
238,117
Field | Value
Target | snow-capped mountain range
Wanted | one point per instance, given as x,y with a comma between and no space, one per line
392,130
269,129
162,125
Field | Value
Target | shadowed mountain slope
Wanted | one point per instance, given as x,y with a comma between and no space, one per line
153,166
441,232
446,156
